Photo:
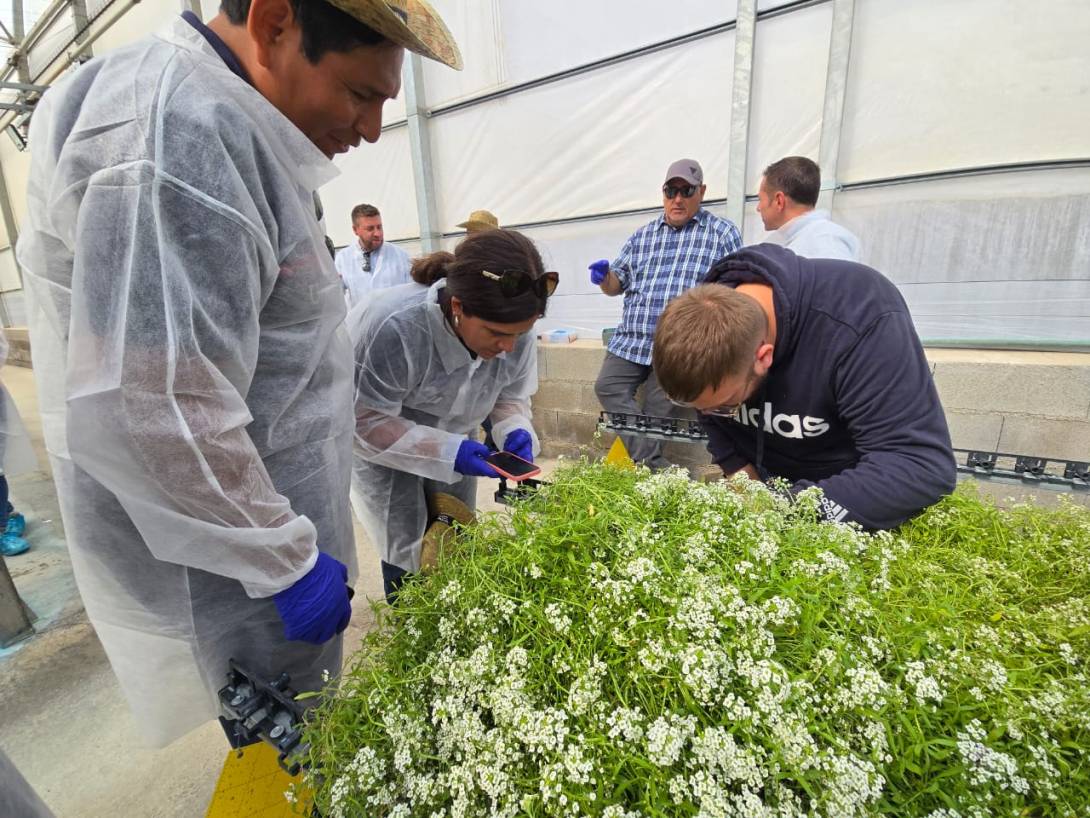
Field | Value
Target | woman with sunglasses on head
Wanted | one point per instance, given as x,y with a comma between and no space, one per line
431,365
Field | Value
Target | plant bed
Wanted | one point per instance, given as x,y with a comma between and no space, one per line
625,645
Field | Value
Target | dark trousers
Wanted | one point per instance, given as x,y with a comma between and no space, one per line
392,580
5,505
616,388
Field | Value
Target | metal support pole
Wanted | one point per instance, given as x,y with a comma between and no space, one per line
420,145
79,16
193,6
15,616
8,215
18,33
739,110
836,82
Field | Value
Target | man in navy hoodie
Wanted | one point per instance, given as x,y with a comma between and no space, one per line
810,370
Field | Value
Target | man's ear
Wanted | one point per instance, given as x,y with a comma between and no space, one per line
268,24
780,199
763,361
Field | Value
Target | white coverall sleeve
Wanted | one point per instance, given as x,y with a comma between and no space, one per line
388,365
166,300
512,410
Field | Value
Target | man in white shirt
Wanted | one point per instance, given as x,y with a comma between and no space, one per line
785,202
369,263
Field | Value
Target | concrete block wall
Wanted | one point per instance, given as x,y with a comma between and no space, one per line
18,346
566,407
1035,403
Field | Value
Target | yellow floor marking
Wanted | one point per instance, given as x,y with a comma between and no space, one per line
253,786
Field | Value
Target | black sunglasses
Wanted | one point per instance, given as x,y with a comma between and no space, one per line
670,191
515,282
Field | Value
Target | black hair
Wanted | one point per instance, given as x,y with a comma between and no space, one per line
481,297
796,177
325,28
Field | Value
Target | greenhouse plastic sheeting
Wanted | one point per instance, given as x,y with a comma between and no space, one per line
934,85
989,259
596,143
508,42
380,174
788,88
931,86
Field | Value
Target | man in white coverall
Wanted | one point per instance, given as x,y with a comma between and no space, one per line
186,321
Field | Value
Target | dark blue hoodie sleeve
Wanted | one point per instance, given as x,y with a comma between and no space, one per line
887,398
721,448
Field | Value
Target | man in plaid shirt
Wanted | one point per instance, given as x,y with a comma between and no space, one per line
658,262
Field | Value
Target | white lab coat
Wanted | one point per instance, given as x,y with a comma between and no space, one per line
390,267
419,394
815,235
194,374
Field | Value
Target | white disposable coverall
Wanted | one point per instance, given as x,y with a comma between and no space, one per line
16,452
194,374
419,394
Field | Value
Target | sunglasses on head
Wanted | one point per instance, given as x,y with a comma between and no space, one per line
670,191
515,282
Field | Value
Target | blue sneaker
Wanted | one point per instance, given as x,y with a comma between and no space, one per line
11,545
16,524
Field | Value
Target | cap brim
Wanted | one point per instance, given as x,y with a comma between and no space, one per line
412,24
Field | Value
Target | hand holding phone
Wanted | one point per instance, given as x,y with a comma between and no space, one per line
512,466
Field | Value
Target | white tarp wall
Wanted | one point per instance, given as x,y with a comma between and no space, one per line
552,135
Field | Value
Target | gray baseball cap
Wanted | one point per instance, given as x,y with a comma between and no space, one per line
687,169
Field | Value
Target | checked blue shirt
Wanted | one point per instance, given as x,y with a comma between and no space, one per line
657,264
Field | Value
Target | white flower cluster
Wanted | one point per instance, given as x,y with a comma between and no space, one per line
985,764
554,612
927,687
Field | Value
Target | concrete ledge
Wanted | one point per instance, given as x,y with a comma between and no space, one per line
1034,403
18,347
1052,384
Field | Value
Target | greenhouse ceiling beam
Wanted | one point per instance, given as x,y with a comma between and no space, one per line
960,173
23,86
81,39
616,59
16,106
836,83
742,86
420,148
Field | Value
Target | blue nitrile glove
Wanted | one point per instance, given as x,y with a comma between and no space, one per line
470,460
520,444
316,607
598,271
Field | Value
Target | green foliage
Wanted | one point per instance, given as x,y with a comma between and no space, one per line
633,645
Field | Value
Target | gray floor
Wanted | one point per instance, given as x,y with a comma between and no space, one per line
64,722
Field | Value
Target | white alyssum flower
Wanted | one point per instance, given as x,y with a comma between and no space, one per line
667,736
554,612
927,687
985,764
